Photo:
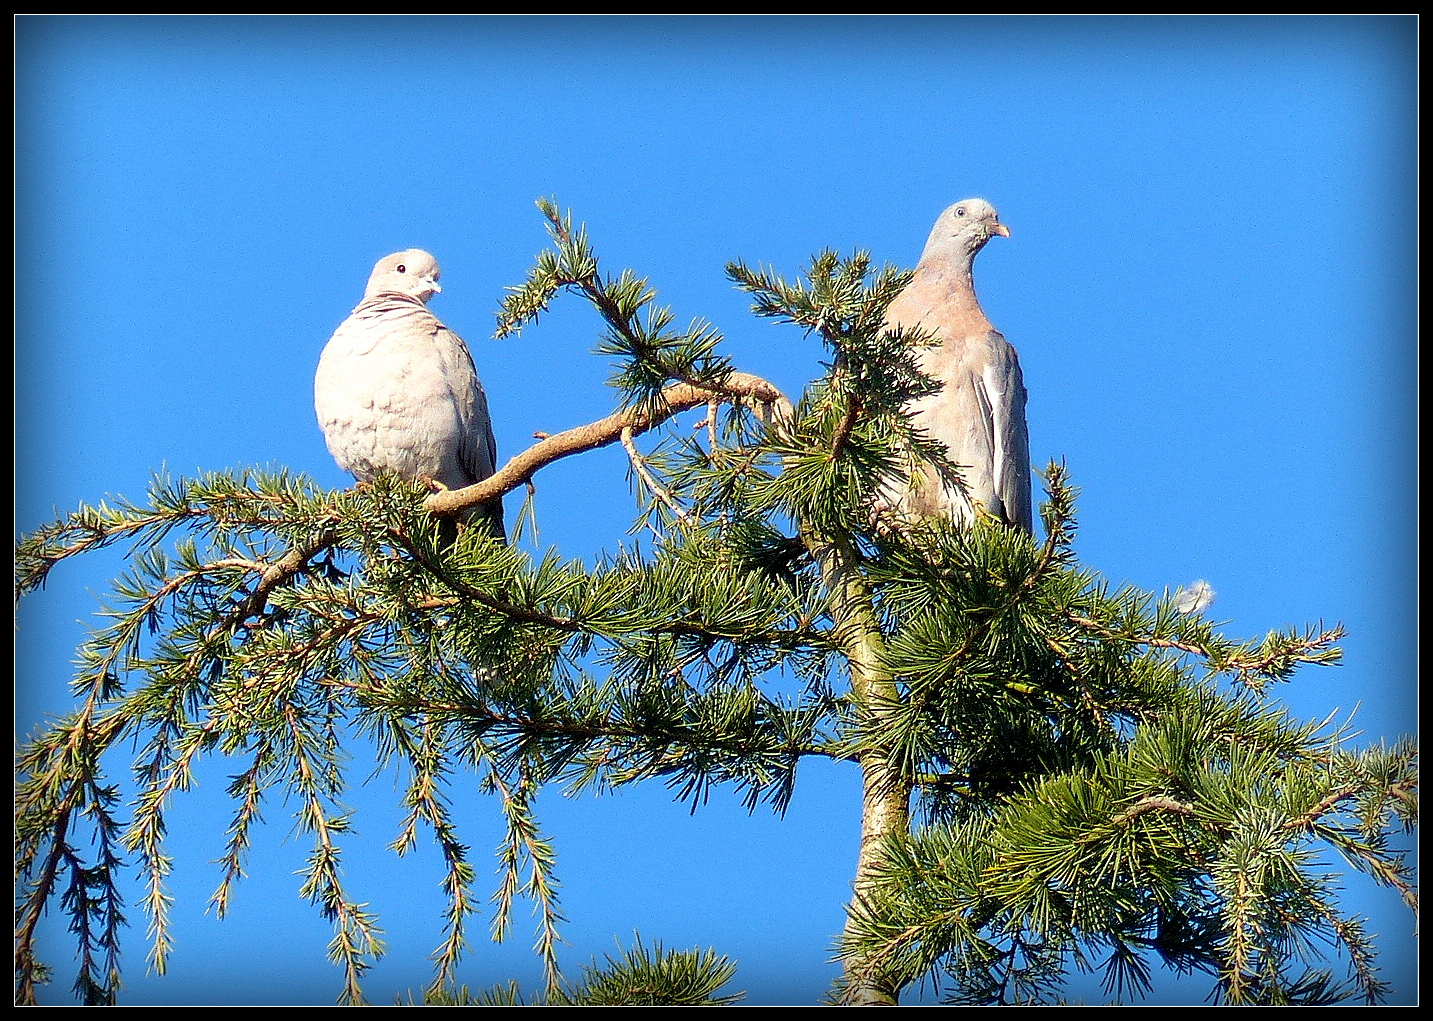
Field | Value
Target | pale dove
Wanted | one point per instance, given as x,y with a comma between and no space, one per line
979,412
396,390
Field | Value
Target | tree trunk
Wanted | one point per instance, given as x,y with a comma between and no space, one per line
885,810
885,802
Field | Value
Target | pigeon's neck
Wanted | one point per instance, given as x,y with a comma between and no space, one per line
387,303
951,278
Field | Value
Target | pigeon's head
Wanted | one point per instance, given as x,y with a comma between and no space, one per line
965,227
414,273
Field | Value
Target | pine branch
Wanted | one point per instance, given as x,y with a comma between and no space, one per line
674,399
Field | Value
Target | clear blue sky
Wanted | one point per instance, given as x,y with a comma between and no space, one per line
1211,284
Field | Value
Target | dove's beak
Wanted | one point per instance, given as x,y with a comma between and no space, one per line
1001,229
438,290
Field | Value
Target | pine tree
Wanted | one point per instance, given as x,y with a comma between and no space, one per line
1053,771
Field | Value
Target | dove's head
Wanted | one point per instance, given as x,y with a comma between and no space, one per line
414,273
964,228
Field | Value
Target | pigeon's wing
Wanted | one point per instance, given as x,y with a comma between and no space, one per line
477,449
1003,389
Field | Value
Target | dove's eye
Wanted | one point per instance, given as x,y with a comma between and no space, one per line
960,211
402,268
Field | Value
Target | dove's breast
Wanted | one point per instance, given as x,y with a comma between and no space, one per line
385,400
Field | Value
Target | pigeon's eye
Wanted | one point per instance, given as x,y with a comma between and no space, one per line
959,210
402,268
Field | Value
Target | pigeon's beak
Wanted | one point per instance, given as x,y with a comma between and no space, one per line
438,290
1000,228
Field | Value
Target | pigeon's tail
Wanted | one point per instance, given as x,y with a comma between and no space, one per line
485,519
488,516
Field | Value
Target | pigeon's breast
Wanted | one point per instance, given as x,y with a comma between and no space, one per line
385,403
